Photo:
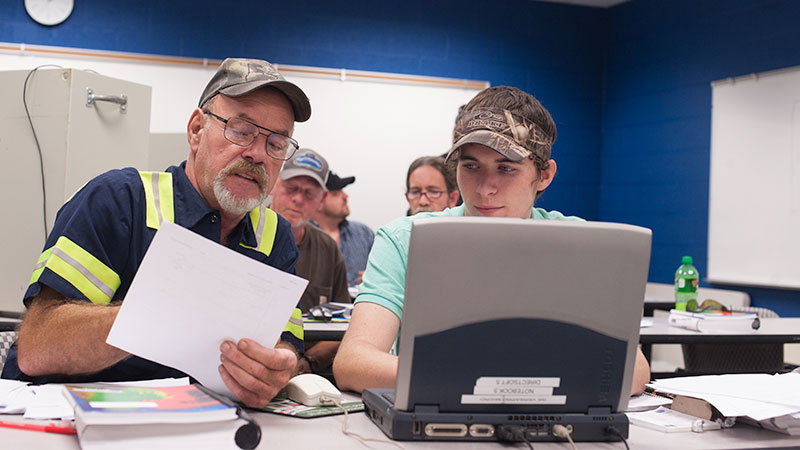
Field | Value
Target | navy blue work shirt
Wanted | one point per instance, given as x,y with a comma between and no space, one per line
107,219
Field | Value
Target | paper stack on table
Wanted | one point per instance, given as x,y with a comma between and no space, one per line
771,400
47,401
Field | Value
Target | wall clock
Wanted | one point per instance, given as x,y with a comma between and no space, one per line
49,12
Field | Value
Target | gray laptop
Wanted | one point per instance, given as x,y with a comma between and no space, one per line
513,326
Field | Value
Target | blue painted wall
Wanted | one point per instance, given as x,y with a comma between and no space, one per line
629,87
552,51
662,57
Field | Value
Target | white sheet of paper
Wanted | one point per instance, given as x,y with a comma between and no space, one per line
48,403
758,396
190,294
14,396
646,402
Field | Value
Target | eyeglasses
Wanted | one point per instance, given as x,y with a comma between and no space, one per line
243,132
432,194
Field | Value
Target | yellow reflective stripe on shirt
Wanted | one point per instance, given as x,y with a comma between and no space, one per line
295,324
40,263
158,198
265,226
79,268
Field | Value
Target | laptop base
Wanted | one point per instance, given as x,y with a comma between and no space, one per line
428,424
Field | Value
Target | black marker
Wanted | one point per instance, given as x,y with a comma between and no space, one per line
248,435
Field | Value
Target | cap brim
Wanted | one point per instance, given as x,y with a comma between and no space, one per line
291,173
497,142
300,104
340,183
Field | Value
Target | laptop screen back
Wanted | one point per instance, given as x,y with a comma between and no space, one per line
514,315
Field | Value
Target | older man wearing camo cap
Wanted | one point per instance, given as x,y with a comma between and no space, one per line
502,144
239,137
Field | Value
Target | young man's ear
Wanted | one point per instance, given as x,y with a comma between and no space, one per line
546,176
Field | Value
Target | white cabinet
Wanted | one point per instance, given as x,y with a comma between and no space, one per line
77,141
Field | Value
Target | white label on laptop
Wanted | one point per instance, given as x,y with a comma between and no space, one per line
511,390
467,399
519,382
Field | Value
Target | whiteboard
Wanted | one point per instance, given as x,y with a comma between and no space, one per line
754,198
367,129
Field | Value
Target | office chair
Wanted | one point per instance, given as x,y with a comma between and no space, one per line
7,339
735,358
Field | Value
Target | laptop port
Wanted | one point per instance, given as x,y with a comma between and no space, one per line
481,430
445,430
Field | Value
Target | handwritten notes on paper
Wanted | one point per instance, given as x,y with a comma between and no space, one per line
190,294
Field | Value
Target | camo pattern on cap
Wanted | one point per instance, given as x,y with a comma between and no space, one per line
508,134
239,76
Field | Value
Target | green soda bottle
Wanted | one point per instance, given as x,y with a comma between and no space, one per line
685,283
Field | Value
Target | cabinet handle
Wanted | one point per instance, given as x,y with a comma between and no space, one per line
121,100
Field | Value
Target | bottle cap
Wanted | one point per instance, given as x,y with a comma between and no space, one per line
686,260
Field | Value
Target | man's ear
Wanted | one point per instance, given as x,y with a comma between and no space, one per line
546,176
195,128
324,196
452,198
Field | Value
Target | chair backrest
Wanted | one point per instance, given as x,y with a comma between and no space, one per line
7,339
735,358
729,298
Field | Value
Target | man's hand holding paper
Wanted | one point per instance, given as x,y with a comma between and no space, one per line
191,296
255,373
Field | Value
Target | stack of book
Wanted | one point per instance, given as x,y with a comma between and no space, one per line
766,401
715,322
115,417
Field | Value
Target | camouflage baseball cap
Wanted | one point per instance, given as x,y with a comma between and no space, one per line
511,135
239,76
309,163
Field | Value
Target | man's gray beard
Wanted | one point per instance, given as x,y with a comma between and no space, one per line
234,205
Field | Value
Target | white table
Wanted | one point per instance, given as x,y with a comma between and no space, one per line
282,432
324,331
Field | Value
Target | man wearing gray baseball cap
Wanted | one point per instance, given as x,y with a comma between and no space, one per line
239,137
299,192
501,151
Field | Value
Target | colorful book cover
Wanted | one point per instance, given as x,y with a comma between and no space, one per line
103,398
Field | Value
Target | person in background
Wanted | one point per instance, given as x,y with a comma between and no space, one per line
299,192
239,136
501,148
354,238
430,185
